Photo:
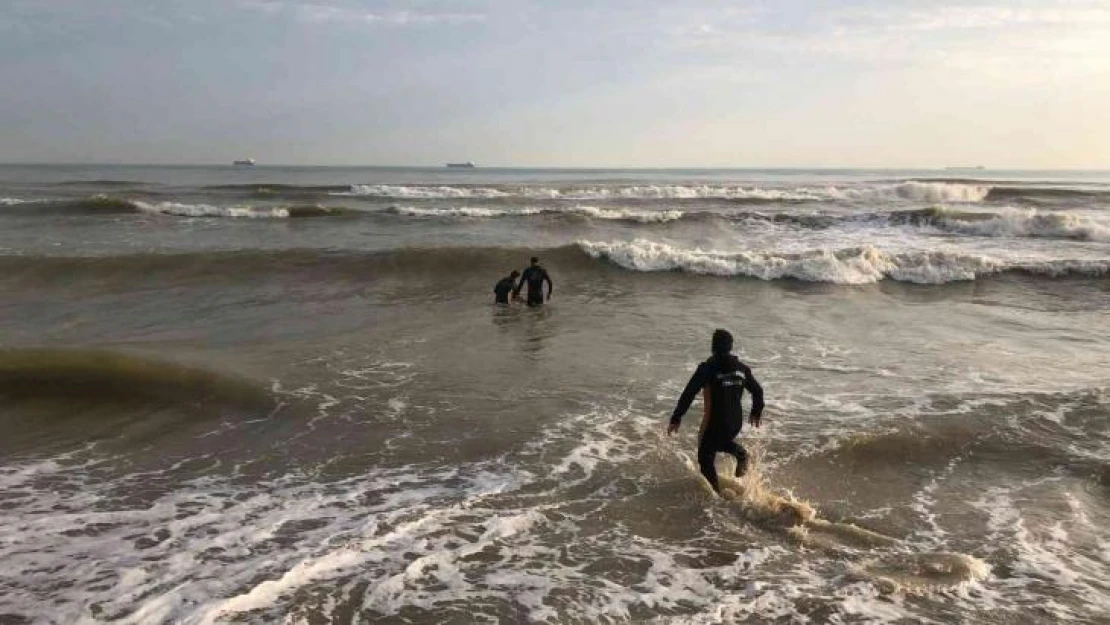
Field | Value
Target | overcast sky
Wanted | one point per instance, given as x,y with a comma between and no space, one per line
563,83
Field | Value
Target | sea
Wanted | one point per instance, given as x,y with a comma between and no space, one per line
285,395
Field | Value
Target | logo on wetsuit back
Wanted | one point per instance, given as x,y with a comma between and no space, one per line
732,378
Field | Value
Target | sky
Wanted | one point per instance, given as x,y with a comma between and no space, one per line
623,83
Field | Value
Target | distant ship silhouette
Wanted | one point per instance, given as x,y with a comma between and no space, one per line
467,164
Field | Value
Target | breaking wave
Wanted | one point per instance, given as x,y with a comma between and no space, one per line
626,214
107,205
255,212
854,265
1000,222
683,192
961,190
847,265
463,211
1045,194
420,192
639,192
911,190
1008,223
592,212
915,191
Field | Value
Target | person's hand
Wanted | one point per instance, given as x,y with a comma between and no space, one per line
672,427
755,420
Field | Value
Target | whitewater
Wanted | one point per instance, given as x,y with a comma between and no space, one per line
285,395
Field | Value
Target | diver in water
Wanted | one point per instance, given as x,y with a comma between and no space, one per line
535,276
723,378
504,288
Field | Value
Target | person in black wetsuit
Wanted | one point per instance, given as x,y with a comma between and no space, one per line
534,276
723,378
504,288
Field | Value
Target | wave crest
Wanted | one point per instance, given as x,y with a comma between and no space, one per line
855,265
917,191
101,204
687,192
1022,223
627,214
107,375
252,212
910,190
850,265
462,211
592,212
422,192
637,192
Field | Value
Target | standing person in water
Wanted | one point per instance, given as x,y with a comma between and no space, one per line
723,379
504,288
534,276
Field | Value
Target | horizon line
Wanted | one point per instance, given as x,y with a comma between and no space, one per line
443,166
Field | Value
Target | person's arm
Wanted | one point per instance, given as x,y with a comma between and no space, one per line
707,410
550,285
756,390
697,381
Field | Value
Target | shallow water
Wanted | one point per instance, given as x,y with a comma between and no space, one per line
213,417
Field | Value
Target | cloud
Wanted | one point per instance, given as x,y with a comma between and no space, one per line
320,13
1005,37
955,18
369,75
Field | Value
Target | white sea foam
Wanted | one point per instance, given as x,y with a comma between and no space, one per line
924,502
208,210
12,201
912,190
857,265
580,461
419,192
627,214
681,192
463,211
548,532
678,192
474,542
1026,223
1041,550
592,212
395,540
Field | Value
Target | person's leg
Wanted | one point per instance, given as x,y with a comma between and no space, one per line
737,451
707,451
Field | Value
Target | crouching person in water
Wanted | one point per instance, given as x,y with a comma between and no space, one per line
723,378
504,289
